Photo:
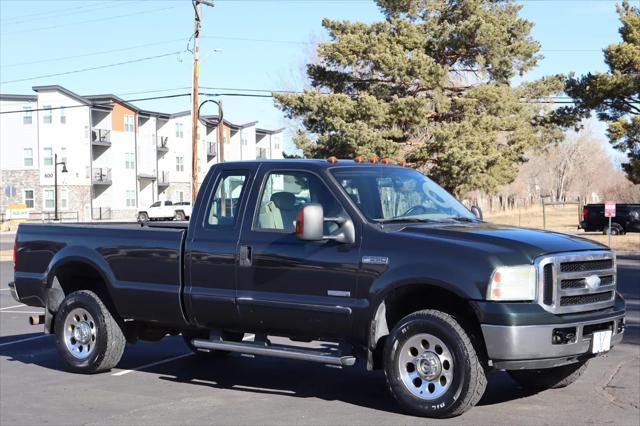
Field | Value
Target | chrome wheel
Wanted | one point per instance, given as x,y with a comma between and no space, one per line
80,333
426,366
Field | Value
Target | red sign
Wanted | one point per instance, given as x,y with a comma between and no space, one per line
610,209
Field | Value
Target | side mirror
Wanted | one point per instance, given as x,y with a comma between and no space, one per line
477,212
310,222
310,225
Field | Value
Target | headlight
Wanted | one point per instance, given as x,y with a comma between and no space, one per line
513,283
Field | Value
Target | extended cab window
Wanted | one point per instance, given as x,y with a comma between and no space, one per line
226,199
282,195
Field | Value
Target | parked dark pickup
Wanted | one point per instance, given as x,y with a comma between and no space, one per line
375,258
627,219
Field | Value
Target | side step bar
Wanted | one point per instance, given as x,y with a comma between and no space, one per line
267,349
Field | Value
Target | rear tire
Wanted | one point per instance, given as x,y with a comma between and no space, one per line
549,378
432,367
180,216
88,337
188,335
143,217
616,229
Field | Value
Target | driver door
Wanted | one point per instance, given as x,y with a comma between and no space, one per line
290,286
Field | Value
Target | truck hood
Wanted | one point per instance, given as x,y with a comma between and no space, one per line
498,238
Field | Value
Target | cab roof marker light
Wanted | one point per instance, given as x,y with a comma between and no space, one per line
359,159
373,159
385,160
332,159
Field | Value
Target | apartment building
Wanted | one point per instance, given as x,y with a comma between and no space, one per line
118,157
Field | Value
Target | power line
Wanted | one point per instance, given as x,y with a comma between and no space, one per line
122,49
89,21
29,15
65,13
148,58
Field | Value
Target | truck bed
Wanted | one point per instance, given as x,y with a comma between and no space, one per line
117,250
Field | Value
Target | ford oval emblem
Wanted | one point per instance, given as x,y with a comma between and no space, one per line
593,281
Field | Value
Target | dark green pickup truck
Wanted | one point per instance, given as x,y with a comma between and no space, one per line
375,258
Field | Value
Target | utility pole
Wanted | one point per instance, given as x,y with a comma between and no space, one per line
194,97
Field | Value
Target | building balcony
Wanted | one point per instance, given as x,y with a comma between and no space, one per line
212,150
101,176
163,179
162,144
146,174
100,137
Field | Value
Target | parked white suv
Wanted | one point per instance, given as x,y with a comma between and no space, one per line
165,210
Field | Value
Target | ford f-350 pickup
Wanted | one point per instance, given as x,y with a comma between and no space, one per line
374,257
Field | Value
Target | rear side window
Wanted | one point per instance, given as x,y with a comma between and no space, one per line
226,199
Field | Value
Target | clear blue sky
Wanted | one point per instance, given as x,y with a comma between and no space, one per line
572,34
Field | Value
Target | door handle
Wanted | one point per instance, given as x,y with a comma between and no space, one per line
245,256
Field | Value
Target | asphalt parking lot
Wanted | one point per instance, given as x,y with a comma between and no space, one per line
162,383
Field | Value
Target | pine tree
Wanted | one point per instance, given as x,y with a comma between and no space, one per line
430,84
615,95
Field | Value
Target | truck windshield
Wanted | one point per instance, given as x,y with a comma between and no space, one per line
393,194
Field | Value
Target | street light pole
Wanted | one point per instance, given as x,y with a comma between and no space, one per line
55,183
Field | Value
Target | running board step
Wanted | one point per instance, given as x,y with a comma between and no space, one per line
267,349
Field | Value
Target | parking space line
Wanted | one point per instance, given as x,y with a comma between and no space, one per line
142,367
5,289
22,312
163,361
24,340
11,307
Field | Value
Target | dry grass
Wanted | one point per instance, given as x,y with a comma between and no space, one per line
563,219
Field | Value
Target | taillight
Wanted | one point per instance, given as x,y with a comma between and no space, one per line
585,213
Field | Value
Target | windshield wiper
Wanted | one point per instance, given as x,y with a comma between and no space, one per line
405,220
462,219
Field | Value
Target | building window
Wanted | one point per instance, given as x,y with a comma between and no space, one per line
63,198
243,138
49,199
129,124
28,157
48,156
29,198
28,115
179,164
179,130
131,198
129,160
63,116
179,197
46,116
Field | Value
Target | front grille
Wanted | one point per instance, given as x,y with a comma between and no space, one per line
584,299
568,284
581,283
584,266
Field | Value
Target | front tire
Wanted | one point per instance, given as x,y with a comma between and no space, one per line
88,338
549,378
432,367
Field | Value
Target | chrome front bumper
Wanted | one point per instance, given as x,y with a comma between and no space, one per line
531,346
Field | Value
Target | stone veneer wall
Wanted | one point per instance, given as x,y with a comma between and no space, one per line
14,182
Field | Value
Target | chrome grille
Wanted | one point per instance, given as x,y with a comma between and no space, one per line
576,282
